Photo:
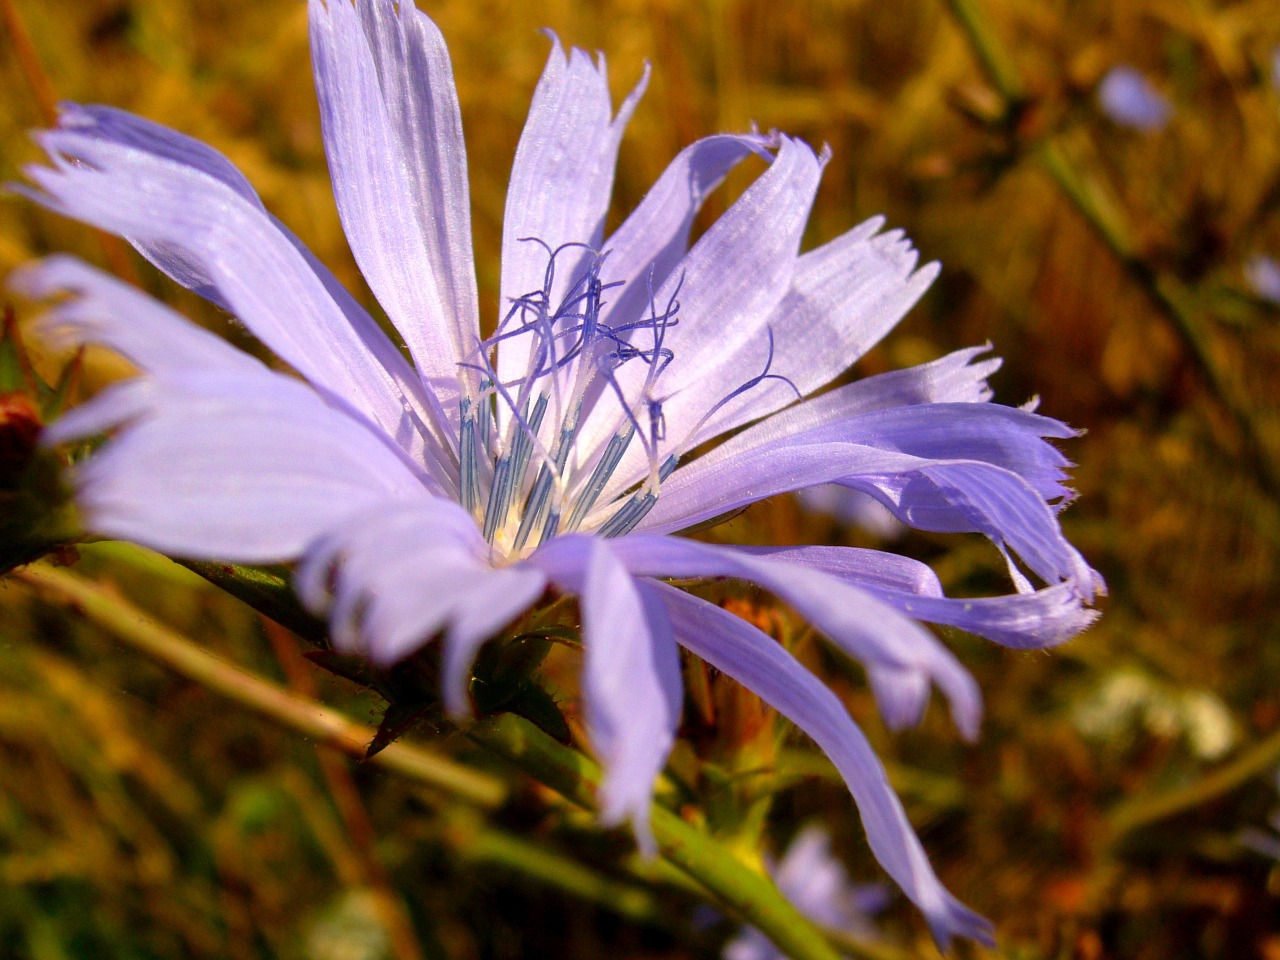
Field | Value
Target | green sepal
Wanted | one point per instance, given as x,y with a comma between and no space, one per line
504,683
399,717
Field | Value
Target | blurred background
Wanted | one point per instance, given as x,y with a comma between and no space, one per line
1101,182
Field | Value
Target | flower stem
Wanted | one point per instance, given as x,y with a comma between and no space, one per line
358,830
712,866
103,607
474,841
1094,202
995,60
1143,811
748,893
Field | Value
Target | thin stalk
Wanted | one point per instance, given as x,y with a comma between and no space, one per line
267,591
995,60
709,864
1144,811
1094,203
747,892
357,827
474,841
1107,218
29,60
45,96
102,606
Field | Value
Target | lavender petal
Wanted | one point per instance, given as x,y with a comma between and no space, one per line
561,181
741,651
393,138
904,656
256,269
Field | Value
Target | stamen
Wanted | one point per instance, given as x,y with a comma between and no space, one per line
539,497
468,474
604,468
508,473
638,507
525,440
755,381
508,477
573,349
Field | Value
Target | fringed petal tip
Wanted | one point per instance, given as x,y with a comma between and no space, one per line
957,920
37,280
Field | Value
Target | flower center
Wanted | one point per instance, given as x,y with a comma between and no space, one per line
524,474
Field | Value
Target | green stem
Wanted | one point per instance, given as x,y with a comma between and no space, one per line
1143,811
267,591
1095,204
474,841
747,892
712,866
997,63
103,607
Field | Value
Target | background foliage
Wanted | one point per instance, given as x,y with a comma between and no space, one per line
141,816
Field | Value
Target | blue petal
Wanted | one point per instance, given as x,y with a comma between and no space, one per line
741,651
1004,436
561,181
492,602
647,247
844,297
1128,98
234,467
1023,621
203,230
939,495
728,286
976,497
395,576
393,138
104,311
959,377
813,879
902,656
654,237
631,675
1263,275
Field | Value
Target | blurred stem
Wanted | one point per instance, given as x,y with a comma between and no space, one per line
29,61
997,63
476,842
357,828
1142,812
102,606
46,99
569,773
266,590
1094,202
750,895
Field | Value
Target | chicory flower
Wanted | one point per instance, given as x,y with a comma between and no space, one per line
1263,276
1129,99
443,498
